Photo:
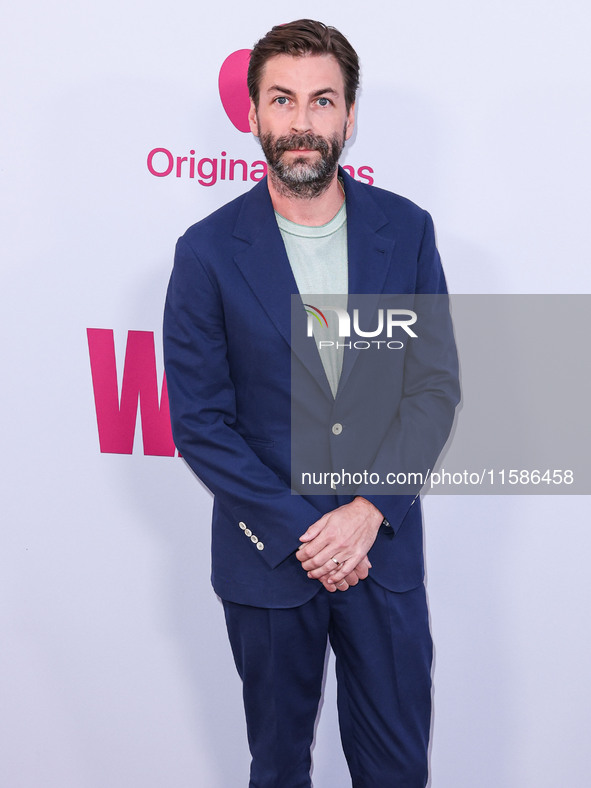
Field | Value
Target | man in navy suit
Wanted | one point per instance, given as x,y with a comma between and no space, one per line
296,570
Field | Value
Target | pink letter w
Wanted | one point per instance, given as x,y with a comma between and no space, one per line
116,421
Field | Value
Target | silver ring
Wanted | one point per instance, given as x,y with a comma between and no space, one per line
338,563
341,583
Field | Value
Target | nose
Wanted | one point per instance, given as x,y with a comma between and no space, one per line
300,122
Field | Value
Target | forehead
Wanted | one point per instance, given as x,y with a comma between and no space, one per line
304,74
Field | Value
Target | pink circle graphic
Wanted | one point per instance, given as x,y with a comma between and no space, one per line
233,88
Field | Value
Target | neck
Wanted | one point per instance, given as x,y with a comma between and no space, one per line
310,211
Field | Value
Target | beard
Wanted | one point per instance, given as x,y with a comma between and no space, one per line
301,177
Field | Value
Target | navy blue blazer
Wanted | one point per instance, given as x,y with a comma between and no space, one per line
227,359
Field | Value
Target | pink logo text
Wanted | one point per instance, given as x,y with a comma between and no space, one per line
116,415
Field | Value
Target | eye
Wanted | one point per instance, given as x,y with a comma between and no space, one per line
323,101
282,100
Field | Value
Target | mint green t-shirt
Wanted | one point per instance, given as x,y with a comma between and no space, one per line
318,259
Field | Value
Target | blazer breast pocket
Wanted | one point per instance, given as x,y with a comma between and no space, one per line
254,441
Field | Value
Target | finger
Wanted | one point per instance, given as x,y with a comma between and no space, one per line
347,566
342,586
329,586
313,531
362,568
352,579
322,563
312,550
307,551
329,569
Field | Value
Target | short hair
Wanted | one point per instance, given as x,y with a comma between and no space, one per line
299,38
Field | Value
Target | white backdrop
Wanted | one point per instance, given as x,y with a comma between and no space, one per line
114,668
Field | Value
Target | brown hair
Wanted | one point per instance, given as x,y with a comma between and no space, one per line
304,37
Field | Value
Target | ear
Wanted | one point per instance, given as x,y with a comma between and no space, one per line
253,121
350,124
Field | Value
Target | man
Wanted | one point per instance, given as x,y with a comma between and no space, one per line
294,570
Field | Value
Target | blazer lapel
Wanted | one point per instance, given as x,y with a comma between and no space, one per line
265,266
369,255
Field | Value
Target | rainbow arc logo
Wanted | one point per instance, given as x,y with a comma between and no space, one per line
313,311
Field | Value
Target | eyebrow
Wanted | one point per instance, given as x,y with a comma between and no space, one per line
288,92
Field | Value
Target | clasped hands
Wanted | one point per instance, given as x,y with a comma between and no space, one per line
335,547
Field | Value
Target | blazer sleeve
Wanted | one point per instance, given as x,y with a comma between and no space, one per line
203,415
422,424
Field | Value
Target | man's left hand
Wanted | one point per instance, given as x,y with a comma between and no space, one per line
360,572
336,543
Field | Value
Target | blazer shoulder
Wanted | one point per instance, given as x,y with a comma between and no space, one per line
394,209
224,222
219,222
392,203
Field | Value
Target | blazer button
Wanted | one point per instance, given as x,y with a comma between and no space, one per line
247,532
337,428
254,539
260,546
242,525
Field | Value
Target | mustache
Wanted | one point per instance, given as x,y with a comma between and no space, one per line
296,141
